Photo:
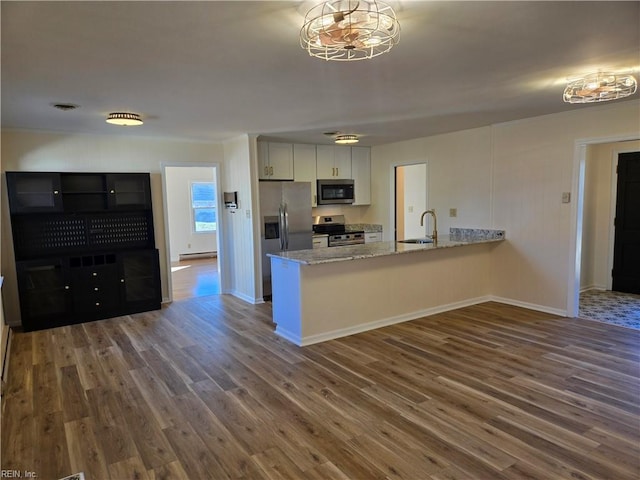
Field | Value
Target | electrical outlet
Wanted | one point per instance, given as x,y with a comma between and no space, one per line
188,245
248,213
453,212
566,197
410,209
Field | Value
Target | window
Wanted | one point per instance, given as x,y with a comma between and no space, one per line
203,202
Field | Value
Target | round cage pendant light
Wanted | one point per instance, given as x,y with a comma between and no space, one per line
599,87
348,30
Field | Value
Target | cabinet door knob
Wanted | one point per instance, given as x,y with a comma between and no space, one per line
95,289
122,280
97,304
66,287
95,274
55,192
112,191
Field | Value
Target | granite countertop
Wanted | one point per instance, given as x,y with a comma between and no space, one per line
363,227
380,249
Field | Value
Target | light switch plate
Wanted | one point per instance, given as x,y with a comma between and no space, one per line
453,212
566,197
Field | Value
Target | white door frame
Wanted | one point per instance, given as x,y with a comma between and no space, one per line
392,182
220,218
577,209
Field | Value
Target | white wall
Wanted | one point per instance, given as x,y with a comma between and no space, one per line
415,201
534,162
241,253
459,176
36,151
510,176
599,212
184,238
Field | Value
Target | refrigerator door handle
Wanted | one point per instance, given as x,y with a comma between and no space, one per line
286,226
281,227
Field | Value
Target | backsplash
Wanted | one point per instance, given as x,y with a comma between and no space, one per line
474,234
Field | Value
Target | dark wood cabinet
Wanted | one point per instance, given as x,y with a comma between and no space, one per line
128,191
37,192
45,293
94,284
34,192
139,280
84,246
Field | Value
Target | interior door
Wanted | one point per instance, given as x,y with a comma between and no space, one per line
626,248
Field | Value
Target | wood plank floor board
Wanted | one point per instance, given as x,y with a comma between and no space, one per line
203,388
52,458
85,452
579,460
152,445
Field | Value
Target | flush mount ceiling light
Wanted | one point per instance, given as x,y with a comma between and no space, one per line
346,139
347,30
599,87
124,119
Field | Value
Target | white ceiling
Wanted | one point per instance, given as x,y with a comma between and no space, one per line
212,70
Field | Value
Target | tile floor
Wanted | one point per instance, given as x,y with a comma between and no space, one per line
621,309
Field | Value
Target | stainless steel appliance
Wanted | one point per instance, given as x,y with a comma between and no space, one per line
334,226
285,209
336,191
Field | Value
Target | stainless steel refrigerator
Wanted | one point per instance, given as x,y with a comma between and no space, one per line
285,222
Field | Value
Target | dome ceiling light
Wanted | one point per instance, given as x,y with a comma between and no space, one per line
599,87
346,139
349,30
124,119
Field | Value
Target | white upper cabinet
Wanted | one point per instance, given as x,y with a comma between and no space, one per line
333,162
361,171
275,161
304,168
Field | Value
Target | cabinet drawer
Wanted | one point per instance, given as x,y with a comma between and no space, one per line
372,237
96,302
320,241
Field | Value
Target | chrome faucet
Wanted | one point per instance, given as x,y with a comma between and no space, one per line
434,235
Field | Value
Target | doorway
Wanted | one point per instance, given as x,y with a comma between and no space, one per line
598,202
411,199
191,195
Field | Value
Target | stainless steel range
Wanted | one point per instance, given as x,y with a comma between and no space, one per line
334,226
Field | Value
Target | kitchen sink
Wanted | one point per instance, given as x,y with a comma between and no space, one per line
417,240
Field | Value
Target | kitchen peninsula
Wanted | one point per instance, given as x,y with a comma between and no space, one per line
328,293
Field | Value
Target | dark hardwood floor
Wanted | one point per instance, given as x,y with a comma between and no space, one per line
203,389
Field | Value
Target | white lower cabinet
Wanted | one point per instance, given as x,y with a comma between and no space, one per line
372,237
320,241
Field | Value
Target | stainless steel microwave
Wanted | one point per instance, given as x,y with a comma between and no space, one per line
335,191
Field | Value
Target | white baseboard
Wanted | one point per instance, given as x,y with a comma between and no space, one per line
246,298
188,256
593,287
530,306
344,332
